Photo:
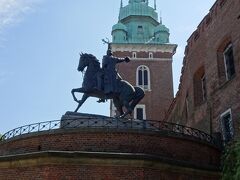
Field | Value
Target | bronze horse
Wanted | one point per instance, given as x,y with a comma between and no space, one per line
127,96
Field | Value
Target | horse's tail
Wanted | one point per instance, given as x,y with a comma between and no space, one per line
138,96
126,90
139,92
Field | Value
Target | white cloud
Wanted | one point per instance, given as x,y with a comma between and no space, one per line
13,11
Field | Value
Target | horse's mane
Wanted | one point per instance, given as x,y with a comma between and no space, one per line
89,56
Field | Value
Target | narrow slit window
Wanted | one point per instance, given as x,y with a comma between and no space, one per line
134,55
150,55
229,62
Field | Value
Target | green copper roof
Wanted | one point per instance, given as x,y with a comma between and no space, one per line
161,28
137,9
136,1
119,26
138,23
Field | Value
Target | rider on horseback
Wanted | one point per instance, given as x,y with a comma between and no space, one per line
123,94
111,77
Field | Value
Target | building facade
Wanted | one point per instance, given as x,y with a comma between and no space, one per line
139,35
209,92
85,146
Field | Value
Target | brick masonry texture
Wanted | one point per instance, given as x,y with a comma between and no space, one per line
218,28
160,96
118,142
171,156
91,172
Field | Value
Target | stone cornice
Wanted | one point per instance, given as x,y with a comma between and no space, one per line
153,59
169,48
44,158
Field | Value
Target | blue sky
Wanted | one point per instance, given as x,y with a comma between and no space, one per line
40,41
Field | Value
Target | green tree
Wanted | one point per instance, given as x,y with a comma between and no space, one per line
1,137
231,161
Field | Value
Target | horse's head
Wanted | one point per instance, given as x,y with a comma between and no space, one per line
84,61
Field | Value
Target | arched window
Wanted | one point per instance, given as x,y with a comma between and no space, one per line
225,60
143,77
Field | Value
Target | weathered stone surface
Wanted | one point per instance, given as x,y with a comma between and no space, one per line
81,120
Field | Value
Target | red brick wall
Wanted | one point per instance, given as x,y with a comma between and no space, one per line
86,172
143,54
66,154
220,25
159,98
94,140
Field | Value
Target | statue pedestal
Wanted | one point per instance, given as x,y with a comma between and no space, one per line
83,120
76,115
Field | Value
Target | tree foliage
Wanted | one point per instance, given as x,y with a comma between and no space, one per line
231,161
1,137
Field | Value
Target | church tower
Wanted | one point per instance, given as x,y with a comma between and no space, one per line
140,35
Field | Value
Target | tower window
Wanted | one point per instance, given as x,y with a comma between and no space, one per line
134,55
150,55
225,61
140,29
143,77
229,62
140,112
227,126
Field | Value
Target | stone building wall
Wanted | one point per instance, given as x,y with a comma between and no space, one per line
204,56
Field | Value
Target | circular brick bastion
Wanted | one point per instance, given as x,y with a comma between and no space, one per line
97,147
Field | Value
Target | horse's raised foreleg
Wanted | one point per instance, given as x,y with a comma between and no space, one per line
80,102
78,90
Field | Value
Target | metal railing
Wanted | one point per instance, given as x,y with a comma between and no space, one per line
27,129
142,125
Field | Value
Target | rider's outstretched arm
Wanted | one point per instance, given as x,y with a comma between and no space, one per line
120,60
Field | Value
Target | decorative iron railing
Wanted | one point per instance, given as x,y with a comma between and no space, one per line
142,125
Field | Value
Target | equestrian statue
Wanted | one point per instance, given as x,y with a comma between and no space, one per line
105,83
